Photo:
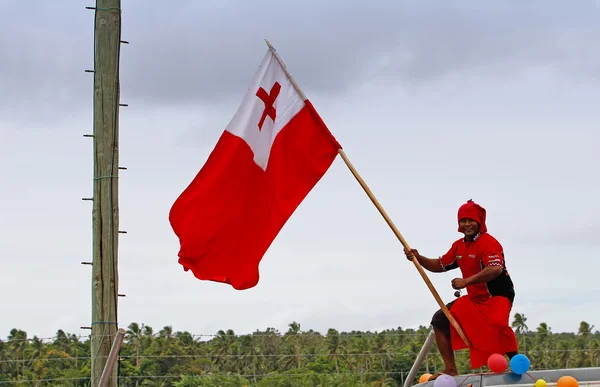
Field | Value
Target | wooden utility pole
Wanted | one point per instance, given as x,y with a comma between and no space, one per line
105,213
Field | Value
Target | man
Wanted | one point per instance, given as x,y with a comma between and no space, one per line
484,312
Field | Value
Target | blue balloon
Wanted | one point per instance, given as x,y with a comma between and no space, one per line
519,364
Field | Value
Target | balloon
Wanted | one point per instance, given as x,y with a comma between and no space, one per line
540,383
444,381
497,363
519,364
567,381
424,378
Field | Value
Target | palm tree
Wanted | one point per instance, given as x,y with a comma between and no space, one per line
519,323
4,357
134,337
585,329
250,352
334,346
585,332
223,348
17,339
293,339
543,332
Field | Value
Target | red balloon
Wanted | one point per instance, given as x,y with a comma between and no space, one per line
497,363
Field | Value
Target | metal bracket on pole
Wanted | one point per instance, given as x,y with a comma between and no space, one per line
112,358
419,360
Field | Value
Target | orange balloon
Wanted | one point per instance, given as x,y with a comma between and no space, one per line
424,378
567,381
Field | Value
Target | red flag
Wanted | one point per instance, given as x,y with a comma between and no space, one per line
271,155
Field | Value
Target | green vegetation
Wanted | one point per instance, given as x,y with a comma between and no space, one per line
268,358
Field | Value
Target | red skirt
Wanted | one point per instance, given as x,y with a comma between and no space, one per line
485,324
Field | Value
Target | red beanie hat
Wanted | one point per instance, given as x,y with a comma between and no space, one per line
473,211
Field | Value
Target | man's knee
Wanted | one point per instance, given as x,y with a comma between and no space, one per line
440,322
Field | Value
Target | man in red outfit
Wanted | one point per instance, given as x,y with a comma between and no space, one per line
484,312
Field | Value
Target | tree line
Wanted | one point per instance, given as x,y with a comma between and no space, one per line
269,358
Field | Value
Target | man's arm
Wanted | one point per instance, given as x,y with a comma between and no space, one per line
431,264
486,275
493,262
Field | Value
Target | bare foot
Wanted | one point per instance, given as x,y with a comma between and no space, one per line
444,372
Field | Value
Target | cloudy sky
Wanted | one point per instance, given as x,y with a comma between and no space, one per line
434,103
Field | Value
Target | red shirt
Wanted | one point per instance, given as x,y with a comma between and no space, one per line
472,257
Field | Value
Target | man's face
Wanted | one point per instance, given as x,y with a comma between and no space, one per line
469,227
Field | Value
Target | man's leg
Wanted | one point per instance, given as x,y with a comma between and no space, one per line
441,328
442,339
505,321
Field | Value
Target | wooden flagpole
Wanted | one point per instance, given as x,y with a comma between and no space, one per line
379,207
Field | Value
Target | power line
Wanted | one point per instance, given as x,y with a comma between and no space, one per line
177,334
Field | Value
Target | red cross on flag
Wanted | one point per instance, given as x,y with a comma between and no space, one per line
270,156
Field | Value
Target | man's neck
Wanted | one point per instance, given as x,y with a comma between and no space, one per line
472,238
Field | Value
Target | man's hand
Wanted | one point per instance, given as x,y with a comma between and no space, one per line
459,283
411,253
